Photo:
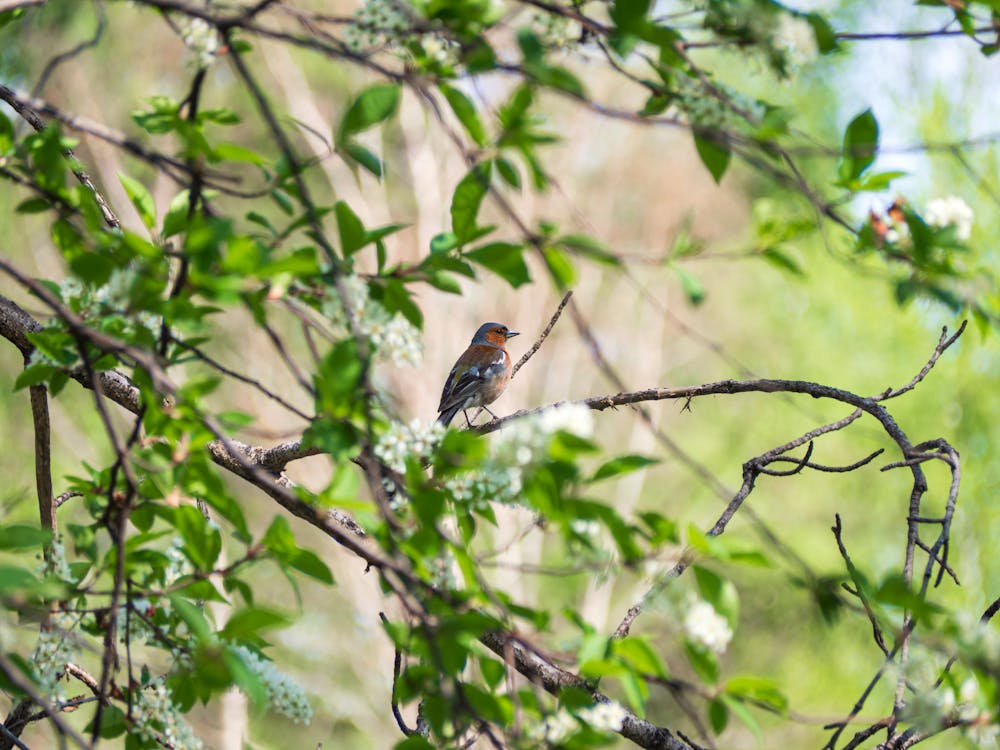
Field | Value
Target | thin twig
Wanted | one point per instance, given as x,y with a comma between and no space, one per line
542,336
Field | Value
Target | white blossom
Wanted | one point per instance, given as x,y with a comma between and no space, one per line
984,734
797,38
606,717
556,728
202,39
285,695
968,693
950,211
54,562
585,526
156,717
401,441
560,726
393,336
491,483
704,625
177,563
520,444
557,31
568,417
54,649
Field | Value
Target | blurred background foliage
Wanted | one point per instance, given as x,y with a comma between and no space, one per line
697,299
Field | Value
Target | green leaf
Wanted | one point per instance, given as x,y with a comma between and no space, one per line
141,199
221,116
246,623
238,153
8,16
113,723
692,287
337,380
414,742
826,37
466,113
504,259
352,231
875,183
629,15
560,268
780,259
860,146
590,247
33,206
175,220
714,154
372,106
703,661
193,615
280,542
622,465
308,562
363,156
395,297
718,715
493,671
661,528
40,372
759,690
467,199
640,655
508,172
22,536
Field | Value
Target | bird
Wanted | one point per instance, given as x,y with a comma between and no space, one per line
480,375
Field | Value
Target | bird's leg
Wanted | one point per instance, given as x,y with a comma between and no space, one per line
467,422
490,413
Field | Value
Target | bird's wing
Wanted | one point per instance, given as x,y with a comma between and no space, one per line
469,374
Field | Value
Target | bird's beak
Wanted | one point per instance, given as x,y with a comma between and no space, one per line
512,334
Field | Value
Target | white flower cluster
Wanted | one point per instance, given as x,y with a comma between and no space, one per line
286,696
54,562
951,211
520,444
440,49
556,31
111,298
202,40
401,441
384,22
133,628
157,719
984,734
177,563
602,717
53,650
706,109
374,22
556,728
796,38
501,484
524,441
703,625
393,336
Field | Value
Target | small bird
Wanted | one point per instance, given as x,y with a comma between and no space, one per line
480,374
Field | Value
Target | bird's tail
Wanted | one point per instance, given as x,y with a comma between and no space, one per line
445,417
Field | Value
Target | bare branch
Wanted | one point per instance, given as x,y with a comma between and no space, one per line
542,336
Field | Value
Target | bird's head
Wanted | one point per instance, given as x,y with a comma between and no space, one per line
493,333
